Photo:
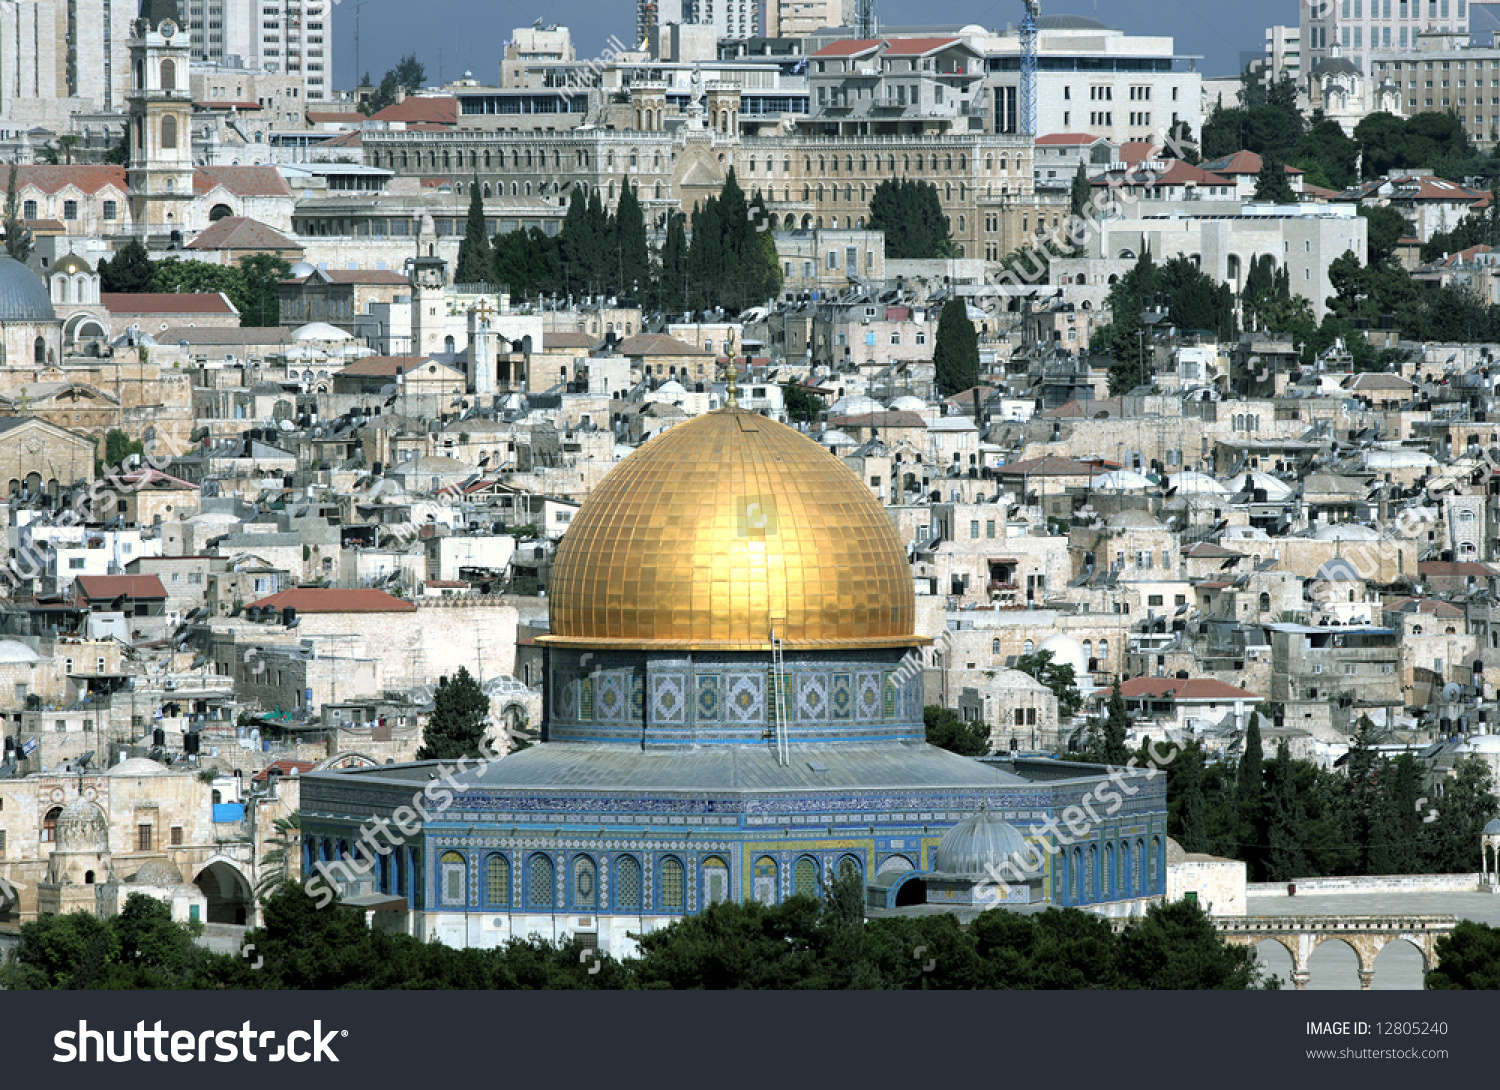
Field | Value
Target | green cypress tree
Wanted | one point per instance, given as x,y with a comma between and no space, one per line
1080,196
475,260
1116,727
955,356
460,715
1194,806
131,270
672,281
634,272
575,243
1286,859
600,271
1271,183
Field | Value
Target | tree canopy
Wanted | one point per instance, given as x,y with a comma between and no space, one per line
955,354
911,215
459,717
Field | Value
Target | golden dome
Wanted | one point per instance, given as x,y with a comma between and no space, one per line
721,529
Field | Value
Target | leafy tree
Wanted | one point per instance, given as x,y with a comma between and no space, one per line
1468,959
459,717
955,356
1057,676
410,73
382,96
1327,155
259,301
728,263
1176,947
1467,805
947,731
911,215
1251,771
475,259
18,240
1384,227
1125,342
118,446
528,262
130,271
1435,140
802,405
1080,197
1271,183
1187,793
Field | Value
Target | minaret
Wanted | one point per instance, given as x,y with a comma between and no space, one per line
428,277
159,177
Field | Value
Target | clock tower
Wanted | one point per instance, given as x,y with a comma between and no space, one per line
159,177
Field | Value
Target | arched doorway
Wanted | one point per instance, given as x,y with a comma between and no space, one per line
227,892
1274,959
1400,966
1333,966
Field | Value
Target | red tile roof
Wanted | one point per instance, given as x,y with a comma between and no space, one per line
283,767
909,47
429,108
97,588
242,233
1241,162
388,366
1053,466
166,302
356,276
1176,172
334,600
1191,688
241,181
53,179
849,48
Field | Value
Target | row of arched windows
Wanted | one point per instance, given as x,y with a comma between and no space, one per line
536,887
1108,872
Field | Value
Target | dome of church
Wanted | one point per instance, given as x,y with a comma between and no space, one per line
82,827
721,529
23,296
72,264
1493,827
979,840
301,270
157,872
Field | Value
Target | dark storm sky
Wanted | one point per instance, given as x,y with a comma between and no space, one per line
451,36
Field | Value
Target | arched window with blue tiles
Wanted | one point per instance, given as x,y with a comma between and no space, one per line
805,877
585,883
763,883
1076,884
541,891
850,864
715,880
1140,865
672,887
398,873
1127,869
627,891
1107,885
1091,873
1154,861
497,881
452,878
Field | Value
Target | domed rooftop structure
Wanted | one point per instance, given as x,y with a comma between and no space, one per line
319,331
23,296
82,827
1492,828
13,651
137,766
1070,22
157,872
73,264
1122,480
301,270
726,527
1481,743
978,841
1132,520
1189,481
1066,651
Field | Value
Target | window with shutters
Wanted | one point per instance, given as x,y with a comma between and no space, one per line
627,882
672,885
497,881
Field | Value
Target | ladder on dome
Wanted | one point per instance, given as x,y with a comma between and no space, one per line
778,705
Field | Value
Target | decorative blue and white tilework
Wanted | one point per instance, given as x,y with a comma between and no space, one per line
668,699
746,699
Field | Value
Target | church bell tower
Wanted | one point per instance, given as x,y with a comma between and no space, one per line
159,177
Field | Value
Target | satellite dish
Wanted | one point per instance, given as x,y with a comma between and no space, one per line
1452,691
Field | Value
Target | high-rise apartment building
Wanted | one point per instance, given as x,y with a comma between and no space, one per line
1354,29
729,18
291,37
1284,52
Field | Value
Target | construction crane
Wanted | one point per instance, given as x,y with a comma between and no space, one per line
1028,67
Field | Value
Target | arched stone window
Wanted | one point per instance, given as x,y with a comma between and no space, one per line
715,880
39,350
541,891
497,881
452,878
585,883
627,882
805,877
49,825
169,75
168,132
672,887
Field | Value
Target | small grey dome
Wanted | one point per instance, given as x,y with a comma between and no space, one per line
300,270
1070,22
1493,828
157,872
23,296
978,841
82,827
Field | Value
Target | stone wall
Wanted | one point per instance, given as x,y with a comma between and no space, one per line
1371,884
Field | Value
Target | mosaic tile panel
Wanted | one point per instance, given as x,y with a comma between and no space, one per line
746,698
609,698
867,699
709,706
812,697
841,697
